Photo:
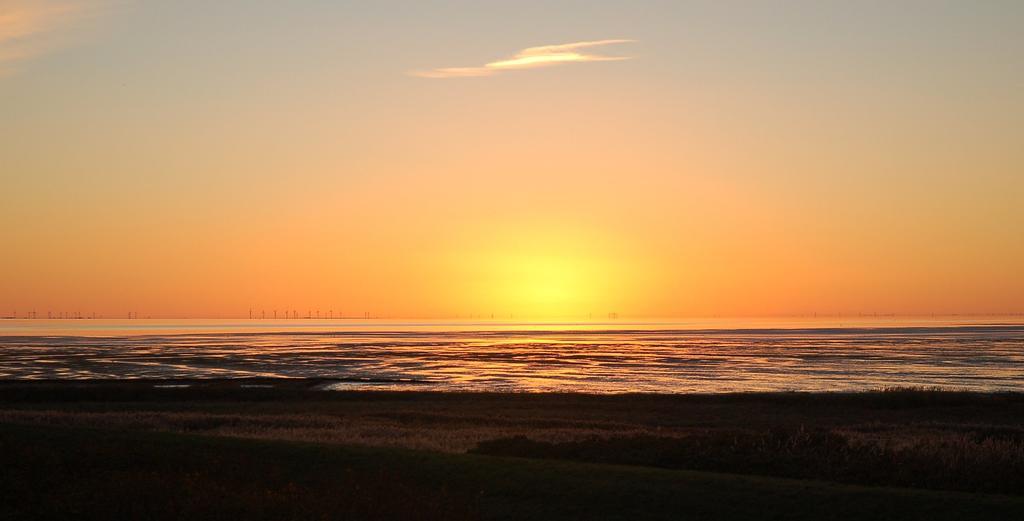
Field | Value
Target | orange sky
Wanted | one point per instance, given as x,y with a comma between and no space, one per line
188,160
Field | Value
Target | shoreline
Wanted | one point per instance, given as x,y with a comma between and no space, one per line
320,389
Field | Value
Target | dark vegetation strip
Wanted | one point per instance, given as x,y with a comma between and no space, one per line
982,460
61,473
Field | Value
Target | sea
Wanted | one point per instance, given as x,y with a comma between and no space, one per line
613,356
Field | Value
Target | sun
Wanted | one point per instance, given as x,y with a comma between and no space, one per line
547,283
551,284
539,271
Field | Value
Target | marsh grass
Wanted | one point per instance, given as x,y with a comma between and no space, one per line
979,460
924,438
445,434
61,473
78,474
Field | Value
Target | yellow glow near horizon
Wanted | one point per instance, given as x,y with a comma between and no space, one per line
533,270
546,284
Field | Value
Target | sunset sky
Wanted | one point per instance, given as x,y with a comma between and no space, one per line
536,158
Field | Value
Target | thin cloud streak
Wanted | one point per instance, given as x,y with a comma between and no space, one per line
529,58
30,28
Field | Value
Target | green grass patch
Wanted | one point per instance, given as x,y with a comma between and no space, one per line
62,473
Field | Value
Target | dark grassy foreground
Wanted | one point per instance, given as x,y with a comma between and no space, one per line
143,450
61,473
985,460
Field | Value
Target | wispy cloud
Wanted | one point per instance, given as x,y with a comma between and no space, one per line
529,58
29,28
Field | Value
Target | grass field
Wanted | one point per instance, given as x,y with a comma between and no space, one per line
135,451
60,473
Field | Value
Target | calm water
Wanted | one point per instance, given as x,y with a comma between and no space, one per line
705,356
